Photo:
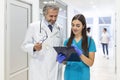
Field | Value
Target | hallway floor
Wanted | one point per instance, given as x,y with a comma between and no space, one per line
103,68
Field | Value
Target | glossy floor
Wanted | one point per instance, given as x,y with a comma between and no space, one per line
103,68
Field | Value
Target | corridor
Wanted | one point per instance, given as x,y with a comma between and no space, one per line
16,15
103,68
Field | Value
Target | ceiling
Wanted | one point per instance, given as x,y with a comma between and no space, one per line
43,2
86,4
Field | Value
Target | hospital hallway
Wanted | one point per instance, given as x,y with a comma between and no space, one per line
17,15
103,68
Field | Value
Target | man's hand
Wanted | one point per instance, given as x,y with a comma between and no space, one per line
37,47
61,57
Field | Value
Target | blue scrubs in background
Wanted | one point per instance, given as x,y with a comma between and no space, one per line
78,70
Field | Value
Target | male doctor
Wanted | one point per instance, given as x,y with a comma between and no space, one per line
40,39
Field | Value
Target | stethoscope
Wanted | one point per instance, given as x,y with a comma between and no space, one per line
45,35
42,34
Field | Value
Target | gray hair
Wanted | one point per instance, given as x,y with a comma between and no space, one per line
49,6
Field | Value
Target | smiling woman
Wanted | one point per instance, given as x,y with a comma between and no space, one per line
95,9
85,49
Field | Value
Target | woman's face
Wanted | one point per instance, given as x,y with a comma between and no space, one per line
77,27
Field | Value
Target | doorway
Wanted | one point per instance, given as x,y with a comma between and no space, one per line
16,61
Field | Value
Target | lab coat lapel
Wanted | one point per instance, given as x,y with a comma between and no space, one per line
46,28
55,31
53,34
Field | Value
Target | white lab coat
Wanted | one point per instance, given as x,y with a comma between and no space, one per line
42,64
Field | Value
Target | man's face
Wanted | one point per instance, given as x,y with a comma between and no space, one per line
51,16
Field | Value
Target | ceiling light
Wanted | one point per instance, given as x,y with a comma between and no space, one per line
45,2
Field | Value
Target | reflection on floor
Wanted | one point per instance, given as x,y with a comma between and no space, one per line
103,68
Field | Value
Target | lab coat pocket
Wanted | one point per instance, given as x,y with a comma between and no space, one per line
38,56
58,35
57,41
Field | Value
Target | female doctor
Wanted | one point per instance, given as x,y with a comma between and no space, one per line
39,42
85,49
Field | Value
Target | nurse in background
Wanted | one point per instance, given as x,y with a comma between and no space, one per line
85,48
89,32
40,39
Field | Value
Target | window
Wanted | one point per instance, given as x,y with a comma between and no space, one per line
89,20
104,20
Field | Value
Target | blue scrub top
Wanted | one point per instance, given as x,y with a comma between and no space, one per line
78,70
91,44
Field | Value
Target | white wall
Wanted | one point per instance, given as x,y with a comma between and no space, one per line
2,4
35,17
70,15
71,11
35,9
117,37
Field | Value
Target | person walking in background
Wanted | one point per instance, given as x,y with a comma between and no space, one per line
89,32
40,39
85,48
105,41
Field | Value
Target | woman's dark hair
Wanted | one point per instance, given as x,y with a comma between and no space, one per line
105,29
81,18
